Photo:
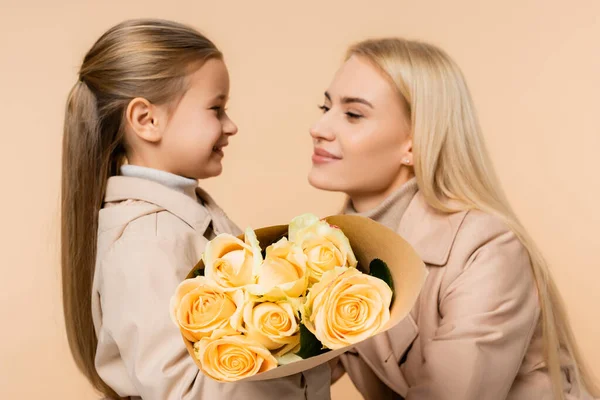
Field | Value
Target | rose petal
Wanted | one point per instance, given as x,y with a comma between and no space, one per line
230,358
346,307
299,223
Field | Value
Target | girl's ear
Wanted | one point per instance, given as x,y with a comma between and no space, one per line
142,118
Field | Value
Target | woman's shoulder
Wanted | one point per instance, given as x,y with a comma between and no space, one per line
441,236
456,238
483,224
478,246
487,240
466,224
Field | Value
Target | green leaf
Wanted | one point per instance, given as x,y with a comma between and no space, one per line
199,272
310,346
379,269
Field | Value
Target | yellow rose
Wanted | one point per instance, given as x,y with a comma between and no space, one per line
198,307
346,307
227,356
325,246
230,262
273,325
283,272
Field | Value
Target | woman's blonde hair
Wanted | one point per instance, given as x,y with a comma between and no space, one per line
136,58
452,166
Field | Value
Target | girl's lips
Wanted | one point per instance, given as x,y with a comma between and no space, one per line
218,152
218,149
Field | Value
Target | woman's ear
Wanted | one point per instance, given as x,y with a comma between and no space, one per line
142,118
407,157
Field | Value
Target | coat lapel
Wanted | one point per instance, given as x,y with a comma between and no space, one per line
380,353
431,233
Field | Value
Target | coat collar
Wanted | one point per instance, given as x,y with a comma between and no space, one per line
429,231
198,214
389,212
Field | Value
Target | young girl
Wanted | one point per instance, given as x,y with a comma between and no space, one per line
151,93
399,135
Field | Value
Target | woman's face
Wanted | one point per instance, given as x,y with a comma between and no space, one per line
362,142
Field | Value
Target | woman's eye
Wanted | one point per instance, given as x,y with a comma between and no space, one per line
324,108
354,116
349,114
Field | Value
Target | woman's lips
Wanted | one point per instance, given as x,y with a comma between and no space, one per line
322,156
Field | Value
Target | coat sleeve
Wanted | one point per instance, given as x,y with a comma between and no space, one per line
138,278
488,312
337,369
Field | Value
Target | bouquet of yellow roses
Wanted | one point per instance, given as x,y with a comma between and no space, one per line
317,288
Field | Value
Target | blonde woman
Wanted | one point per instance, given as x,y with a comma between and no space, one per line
399,135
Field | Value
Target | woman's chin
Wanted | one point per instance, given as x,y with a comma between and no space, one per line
322,181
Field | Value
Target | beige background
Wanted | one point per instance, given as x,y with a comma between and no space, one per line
533,67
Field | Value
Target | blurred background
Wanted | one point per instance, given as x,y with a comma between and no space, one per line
533,68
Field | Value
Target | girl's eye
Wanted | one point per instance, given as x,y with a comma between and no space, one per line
324,108
219,109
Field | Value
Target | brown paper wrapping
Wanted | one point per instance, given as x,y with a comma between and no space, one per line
369,240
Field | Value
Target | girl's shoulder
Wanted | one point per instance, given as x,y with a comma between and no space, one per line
140,224
135,235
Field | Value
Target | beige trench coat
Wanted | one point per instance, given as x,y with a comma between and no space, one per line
147,243
474,333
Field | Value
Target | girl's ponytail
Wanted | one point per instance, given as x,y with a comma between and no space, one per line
137,58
